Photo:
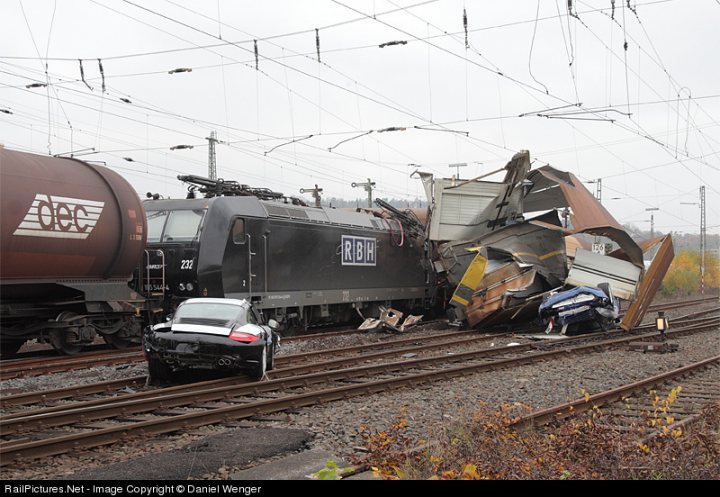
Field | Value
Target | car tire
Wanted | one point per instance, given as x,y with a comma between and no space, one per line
271,358
258,370
158,370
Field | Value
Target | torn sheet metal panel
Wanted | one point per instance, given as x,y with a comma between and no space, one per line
467,210
456,206
553,188
388,316
470,281
516,310
490,295
508,206
370,324
572,244
541,246
411,321
586,210
389,319
591,269
645,245
650,284
525,242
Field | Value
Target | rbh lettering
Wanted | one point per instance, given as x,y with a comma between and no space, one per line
358,251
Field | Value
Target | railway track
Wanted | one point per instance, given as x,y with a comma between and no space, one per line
35,366
180,408
388,348
40,365
626,406
681,303
326,357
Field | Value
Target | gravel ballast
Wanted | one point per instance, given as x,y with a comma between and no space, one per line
335,427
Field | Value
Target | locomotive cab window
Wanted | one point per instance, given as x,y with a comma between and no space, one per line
183,225
238,231
156,223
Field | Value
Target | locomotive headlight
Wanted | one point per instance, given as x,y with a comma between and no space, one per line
181,286
189,287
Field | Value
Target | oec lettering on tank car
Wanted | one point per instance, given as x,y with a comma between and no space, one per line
71,237
60,217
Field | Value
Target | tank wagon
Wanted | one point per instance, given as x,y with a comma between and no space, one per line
72,234
302,266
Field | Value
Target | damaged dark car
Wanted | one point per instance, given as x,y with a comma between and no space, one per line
586,307
211,334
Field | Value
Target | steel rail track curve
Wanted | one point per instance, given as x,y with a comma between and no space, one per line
14,368
114,387
22,449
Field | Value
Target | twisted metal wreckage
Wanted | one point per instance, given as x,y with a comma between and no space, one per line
503,248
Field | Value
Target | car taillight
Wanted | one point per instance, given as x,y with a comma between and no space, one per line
240,336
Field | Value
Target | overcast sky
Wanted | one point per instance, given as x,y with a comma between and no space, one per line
630,95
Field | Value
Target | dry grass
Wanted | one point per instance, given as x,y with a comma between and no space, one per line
487,446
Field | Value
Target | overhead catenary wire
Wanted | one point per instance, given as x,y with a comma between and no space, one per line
532,44
267,137
285,87
504,75
641,132
329,26
656,59
324,174
570,56
588,28
356,97
295,69
343,88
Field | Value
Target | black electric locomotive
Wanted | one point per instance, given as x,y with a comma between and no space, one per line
303,266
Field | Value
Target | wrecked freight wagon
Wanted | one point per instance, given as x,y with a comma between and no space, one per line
505,247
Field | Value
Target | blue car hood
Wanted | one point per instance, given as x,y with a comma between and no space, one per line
574,292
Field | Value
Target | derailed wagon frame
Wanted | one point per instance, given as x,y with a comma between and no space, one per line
503,248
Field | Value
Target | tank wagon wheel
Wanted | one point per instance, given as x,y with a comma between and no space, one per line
127,336
289,331
117,342
67,340
291,327
8,348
